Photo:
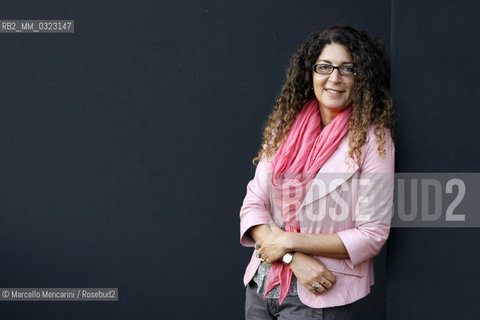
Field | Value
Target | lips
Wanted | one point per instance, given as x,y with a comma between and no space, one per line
334,91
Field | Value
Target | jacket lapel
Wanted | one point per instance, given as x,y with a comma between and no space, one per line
333,173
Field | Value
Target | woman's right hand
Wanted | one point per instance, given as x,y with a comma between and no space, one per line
312,273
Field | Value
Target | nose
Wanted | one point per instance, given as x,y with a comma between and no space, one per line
335,76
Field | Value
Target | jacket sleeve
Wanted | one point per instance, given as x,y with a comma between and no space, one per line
256,205
373,209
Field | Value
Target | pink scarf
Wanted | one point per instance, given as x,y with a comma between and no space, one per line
306,148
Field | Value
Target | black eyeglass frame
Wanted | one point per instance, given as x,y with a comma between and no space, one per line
314,67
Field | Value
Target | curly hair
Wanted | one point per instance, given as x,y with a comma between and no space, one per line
371,100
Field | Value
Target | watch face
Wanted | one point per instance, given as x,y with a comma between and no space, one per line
287,258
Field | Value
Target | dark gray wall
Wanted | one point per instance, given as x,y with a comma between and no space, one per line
126,150
433,273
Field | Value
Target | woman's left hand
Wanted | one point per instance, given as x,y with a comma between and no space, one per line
274,245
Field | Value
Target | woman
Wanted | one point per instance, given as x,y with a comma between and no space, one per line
318,209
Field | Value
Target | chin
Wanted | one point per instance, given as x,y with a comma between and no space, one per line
336,107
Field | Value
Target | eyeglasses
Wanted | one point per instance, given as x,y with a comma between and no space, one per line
344,69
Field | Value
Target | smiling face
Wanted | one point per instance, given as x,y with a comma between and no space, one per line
333,91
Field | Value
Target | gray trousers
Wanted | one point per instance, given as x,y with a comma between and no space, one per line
257,308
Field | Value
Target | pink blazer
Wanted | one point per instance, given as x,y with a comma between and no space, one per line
352,200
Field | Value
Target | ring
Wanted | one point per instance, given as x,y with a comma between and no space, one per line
257,245
259,255
316,286
261,259
324,282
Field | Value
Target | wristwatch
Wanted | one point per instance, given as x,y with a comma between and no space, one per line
287,258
